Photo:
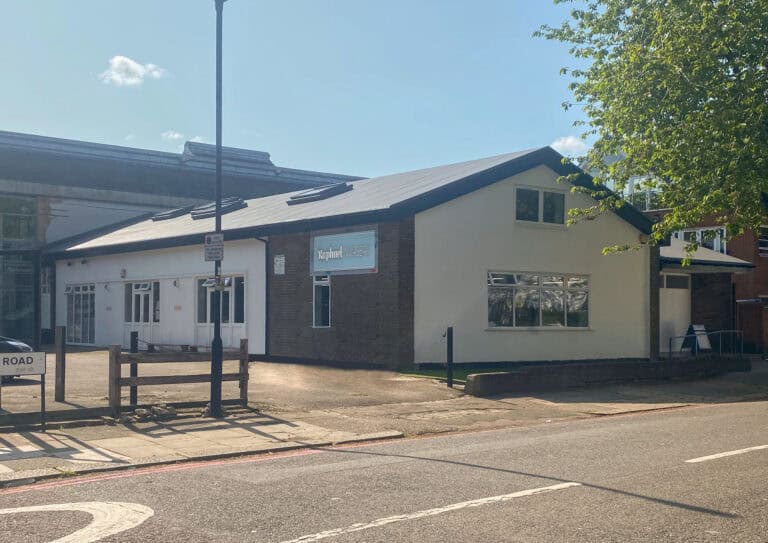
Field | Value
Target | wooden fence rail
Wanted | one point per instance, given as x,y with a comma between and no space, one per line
117,359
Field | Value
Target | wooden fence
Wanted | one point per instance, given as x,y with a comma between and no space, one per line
118,359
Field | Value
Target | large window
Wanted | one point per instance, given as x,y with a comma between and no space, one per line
142,302
710,237
232,300
517,300
321,301
18,222
81,313
762,241
536,205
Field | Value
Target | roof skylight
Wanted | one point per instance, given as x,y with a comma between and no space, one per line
228,205
319,193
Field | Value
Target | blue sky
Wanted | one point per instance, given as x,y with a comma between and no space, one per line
349,86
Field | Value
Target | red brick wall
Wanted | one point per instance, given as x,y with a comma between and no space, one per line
371,314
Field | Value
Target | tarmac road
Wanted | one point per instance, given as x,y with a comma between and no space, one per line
627,478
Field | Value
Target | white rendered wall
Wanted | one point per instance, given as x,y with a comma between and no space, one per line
179,265
458,242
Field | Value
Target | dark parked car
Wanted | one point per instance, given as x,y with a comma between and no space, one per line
8,345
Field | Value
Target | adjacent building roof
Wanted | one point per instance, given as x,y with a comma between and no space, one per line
369,200
55,161
702,260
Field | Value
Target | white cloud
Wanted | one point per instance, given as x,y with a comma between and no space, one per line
124,71
172,135
569,146
198,139
130,137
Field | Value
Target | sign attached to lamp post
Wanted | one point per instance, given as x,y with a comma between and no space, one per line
214,247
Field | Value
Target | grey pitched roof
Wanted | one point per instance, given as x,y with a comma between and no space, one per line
57,161
370,200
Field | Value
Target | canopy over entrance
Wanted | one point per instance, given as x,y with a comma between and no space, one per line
702,260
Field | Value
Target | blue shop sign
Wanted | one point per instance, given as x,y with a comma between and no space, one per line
351,252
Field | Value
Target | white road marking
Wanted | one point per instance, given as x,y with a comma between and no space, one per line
109,518
5,469
428,513
724,454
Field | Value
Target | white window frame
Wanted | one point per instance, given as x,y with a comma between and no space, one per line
228,283
540,216
142,289
321,280
718,241
565,289
86,327
762,251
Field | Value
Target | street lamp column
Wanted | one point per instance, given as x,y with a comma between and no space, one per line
217,354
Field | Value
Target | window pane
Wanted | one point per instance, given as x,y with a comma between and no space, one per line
145,312
500,279
501,304
578,308
526,307
202,299
552,307
552,281
92,317
554,208
526,279
578,281
127,302
225,306
156,301
322,305
137,308
239,299
527,205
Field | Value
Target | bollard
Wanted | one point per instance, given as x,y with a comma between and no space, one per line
114,379
449,356
61,366
134,342
243,371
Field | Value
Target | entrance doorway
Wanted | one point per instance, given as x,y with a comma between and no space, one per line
81,314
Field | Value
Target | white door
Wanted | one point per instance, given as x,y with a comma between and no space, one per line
232,312
142,312
675,310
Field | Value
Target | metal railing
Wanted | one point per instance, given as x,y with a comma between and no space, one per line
728,342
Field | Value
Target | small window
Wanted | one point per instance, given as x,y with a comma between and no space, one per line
321,300
527,205
535,205
762,241
677,281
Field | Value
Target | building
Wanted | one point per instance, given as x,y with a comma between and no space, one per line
374,271
53,189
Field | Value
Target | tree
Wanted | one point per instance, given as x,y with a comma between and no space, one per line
678,90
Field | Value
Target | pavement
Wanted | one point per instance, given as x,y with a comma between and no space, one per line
687,475
296,406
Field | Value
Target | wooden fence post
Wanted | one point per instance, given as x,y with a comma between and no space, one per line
61,365
114,379
243,371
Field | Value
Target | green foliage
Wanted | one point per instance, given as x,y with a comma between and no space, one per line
678,90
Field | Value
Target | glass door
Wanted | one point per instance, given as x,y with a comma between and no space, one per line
81,314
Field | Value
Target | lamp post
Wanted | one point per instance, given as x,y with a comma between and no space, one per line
217,354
